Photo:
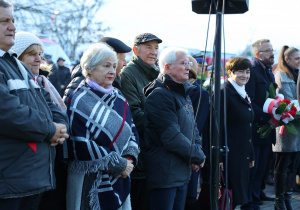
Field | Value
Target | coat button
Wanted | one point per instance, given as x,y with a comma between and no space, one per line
248,158
250,140
250,109
250,124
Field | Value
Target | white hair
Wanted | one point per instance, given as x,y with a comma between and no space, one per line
95,55
168,56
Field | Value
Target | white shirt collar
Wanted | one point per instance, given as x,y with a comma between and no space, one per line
11,52
240,89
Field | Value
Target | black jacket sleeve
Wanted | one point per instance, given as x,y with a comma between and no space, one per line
20,121
252,90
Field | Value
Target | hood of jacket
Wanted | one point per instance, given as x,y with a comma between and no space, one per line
165,81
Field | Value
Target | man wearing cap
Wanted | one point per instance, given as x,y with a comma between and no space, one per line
119,47
64,75
31,126
141,70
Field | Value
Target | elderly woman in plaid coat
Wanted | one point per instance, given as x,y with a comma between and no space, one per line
103,144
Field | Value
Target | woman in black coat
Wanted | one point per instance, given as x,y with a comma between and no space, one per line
240,116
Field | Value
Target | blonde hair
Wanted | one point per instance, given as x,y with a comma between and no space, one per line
286,52
257,45
31,49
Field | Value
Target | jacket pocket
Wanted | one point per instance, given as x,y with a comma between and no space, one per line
28,173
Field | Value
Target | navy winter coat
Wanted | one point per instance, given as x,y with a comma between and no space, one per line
169,121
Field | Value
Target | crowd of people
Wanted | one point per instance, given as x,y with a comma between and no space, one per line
112,135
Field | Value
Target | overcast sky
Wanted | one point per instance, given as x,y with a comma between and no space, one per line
177,25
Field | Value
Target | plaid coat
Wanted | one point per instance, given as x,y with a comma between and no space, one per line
102,134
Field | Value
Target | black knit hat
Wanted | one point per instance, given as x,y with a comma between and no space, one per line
144,38
116,44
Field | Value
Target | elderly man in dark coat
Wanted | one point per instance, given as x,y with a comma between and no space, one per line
172,145
141,70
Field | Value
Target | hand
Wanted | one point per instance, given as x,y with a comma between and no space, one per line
273,124
195,167
202,164
127,170
60,134
251,165
221,166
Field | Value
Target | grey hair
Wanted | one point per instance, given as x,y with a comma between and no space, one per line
6,4
168,56
94,56
257,45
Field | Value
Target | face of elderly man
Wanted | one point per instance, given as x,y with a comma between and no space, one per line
147,52
179,71
7,28
121,62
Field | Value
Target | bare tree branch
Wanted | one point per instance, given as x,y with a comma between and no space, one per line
78,21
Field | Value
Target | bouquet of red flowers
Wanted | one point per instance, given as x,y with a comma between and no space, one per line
283,112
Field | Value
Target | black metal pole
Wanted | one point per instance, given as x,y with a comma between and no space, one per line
215,150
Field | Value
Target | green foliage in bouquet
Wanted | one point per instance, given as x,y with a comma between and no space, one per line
271,93
281,108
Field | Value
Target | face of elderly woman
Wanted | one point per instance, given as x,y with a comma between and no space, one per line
294,60
33,61
104,74
241,77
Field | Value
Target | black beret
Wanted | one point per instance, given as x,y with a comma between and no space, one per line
146,37
116,44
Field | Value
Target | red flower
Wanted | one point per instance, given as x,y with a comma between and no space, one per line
293,113
293,108
287,101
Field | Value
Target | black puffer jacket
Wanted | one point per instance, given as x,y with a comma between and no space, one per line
76,78
169,121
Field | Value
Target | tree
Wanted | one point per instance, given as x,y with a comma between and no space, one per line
78,21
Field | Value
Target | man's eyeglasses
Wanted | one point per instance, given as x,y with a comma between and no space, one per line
185,63
268,50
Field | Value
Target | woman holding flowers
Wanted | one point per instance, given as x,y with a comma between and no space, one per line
240,116
287,145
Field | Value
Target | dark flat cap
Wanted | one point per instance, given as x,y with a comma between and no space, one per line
116,44
146,37
60,58
47,56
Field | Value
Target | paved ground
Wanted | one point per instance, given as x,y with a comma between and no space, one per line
269,205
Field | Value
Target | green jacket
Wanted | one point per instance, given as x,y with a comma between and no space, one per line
134,77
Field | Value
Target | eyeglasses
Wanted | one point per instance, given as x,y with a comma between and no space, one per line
268,50
185,63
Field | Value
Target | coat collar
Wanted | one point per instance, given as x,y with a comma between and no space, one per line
164,80
148,70
231,91
261,64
